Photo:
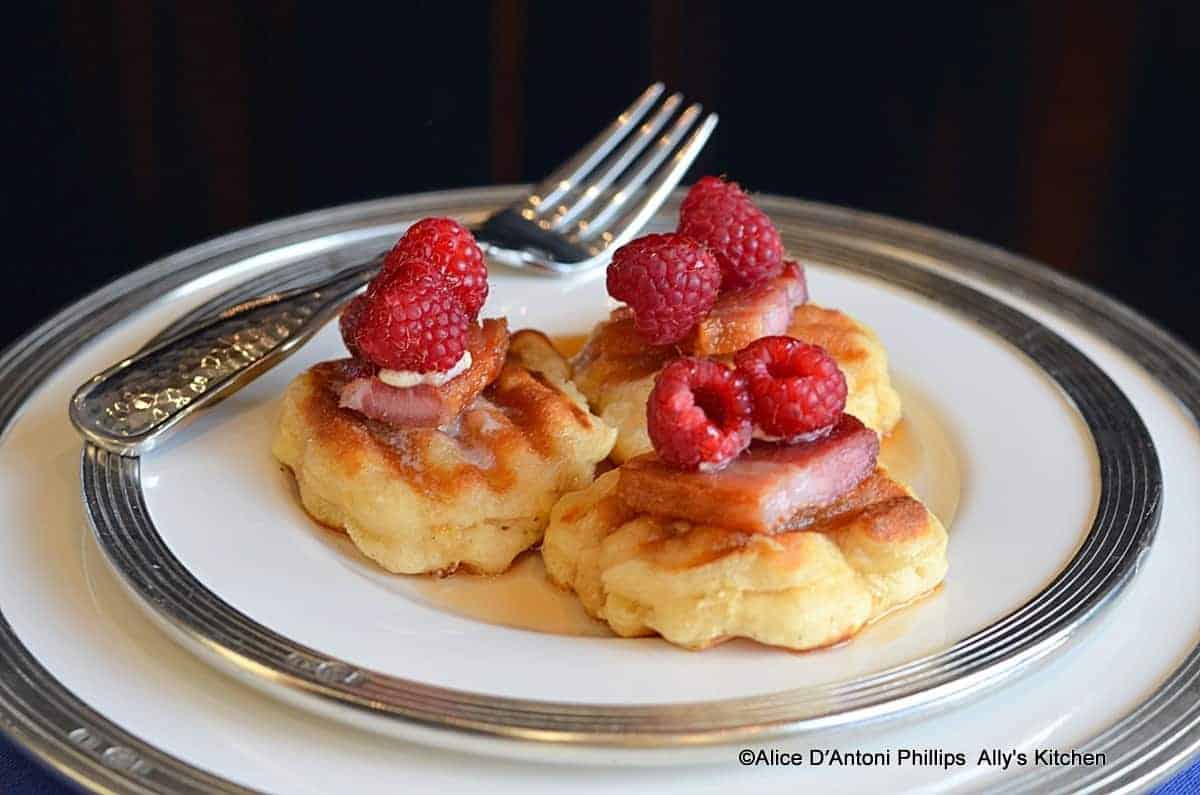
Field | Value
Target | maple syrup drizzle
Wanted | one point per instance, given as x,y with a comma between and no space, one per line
569,344
918,452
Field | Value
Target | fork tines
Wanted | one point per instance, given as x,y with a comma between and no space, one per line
604,193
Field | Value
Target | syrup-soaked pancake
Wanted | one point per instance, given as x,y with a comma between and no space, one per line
835,569
473,494
616,371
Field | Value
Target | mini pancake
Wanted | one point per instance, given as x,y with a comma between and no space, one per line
844,564
616,369
472,494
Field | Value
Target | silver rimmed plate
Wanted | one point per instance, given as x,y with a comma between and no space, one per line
1058,504
1062,498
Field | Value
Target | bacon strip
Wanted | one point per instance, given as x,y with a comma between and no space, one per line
759,491
413,407
425,406
739,318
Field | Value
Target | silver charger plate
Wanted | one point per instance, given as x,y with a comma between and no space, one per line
1126,517
1130,496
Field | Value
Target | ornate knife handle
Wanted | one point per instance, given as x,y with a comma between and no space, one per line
134,404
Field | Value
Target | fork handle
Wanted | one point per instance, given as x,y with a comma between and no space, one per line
136,403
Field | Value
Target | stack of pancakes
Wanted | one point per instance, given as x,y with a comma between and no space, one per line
471,495
867,552
688,568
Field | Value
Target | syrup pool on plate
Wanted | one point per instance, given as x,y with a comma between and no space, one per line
521,597
918,452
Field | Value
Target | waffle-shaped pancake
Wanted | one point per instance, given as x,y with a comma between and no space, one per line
869,551
616,372
471,495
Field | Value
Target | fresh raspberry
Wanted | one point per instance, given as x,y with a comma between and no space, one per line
452,248
348,324
699,414
741,236
797,389
705,189
669,281
411,321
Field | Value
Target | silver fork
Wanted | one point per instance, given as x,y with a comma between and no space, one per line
569,223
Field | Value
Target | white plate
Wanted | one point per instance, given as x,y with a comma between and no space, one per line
54,629
231,517
378,647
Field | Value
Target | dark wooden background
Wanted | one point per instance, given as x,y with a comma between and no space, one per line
1057,129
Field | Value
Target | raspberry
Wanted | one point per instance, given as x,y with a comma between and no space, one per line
451,248
705,189
797,389
699,414
668,281
348,324
741,236
411,321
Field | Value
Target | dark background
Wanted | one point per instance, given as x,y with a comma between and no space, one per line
1061,130
1054,129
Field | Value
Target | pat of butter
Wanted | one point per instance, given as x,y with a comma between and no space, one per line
409,378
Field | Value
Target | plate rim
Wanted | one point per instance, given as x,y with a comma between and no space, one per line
177,264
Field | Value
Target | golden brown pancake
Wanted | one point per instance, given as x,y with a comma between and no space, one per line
844,564
616,371
470,495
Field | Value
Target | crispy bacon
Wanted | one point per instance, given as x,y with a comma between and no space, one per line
425,406
761,489
740,317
